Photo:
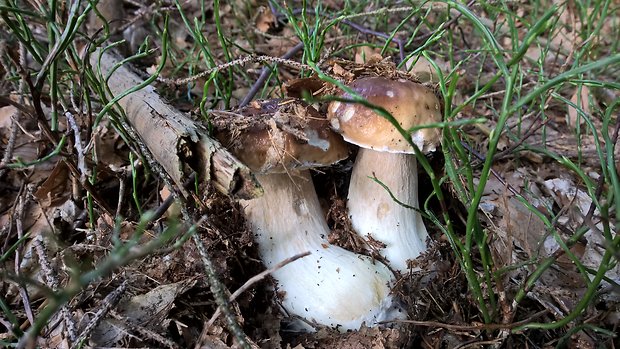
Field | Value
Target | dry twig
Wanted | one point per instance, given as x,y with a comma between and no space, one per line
254,279
109,302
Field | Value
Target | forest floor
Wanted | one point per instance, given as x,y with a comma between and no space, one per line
102,245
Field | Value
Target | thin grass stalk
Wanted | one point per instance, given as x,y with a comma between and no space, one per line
224,45
203,44
134,183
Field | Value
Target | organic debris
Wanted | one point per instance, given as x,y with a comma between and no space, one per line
115,232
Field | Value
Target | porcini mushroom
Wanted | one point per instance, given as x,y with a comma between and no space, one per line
386,155
280,140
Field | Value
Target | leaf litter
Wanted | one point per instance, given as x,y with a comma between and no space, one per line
166,300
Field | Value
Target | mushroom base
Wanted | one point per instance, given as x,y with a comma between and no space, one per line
332,286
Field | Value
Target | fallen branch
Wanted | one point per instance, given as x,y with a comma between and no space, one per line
180,144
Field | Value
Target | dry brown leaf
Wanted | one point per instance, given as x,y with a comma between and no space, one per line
423,69
175,209
56,189
365,54
106,142
57,338
180,38
519,235
150,309
577,202
37,224
581,99
265,19
6,116
297,87
113,13
338,70
279,45
568,27
28,146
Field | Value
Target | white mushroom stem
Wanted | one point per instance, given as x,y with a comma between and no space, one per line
332,286
373,211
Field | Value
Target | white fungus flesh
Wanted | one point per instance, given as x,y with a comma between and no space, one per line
332,286
374,212
280,140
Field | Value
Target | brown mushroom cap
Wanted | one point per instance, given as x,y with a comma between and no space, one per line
410,103
277,135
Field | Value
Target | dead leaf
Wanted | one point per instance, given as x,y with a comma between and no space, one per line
37,222
57,338
581,99
365,54
577,203
423,69
175,209
149,309
297,87
56,189
7,113
338,70
265,19
521,235
107,144
568,26
113,13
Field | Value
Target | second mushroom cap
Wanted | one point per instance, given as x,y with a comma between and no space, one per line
387,157
410,103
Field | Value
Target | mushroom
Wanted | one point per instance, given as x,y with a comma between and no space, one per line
386,155
280,140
